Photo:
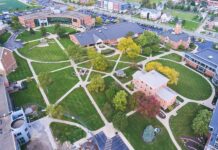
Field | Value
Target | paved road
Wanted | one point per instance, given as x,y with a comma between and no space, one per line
12,43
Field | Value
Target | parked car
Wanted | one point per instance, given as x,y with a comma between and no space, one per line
162,115
16,86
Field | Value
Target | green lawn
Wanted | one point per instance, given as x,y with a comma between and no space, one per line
47,67
26,36
11,5
4,37
65,132
51,29
77,104
93,74
31,95
62,81
135,129
190,84
182,122
173,57
66,42
127,59
50,53
22,70
115,57
129,72
122,65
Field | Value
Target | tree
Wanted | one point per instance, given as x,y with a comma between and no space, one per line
98,21
98,61
148,106
70,8
107,110
44,80
120,121
76,52
120,100
132,103
127,45
148,38
130,34
15,24
55,111
96,84
56,27
201,122
43,31
61,32
32,31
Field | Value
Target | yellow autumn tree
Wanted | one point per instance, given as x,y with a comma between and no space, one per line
128,46
170,73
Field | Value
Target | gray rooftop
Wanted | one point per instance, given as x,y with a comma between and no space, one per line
108,32
166,93
2,49
214,125
153,78
175,37
209,57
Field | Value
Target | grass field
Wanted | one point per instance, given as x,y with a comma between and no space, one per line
173,57
47,67
182,122
134,132
127,59
22,70
66,42
122,65
31,95
4,37
26,36
62,81
51,29
190,84
50,53
129,72
77,104
11,5
190,22
65,132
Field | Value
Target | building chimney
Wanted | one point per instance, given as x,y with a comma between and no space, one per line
178,28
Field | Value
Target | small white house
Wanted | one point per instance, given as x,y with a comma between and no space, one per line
165,18
151,14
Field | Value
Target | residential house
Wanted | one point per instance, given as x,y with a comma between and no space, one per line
151,14
45,18
109,34
165,18
154,84
212,143
212,23
7,61
176,37
205,61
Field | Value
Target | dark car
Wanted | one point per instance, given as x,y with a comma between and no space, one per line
162,115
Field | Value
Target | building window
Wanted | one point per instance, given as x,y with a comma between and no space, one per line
18,134
26,129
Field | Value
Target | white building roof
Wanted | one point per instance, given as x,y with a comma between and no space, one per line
153,78
166,93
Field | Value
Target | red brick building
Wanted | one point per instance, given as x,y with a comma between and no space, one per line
7,61
75,19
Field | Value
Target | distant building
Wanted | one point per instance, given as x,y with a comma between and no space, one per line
2,27
109,34
165,18
154,84
205,61
13,124
212,143
176,37
212,3
45,18
212,23
7,61
151,14
113,5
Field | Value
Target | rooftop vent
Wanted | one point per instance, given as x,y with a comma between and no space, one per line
210,57
99,31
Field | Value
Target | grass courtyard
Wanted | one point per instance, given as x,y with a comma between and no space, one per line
31,95
77,104
4,37
12,5
62,81
65,132
134,132
22,71
173,57
51,29
52,52
190,84
27,36
182,122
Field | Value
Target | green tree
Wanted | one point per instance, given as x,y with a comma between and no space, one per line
96,84
43,31
56,27
120,100
148,38
127,45
76,52
201,122
107,110
98,21
15,24
98,61
44,80
32,31
120,121
55,111
61,32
